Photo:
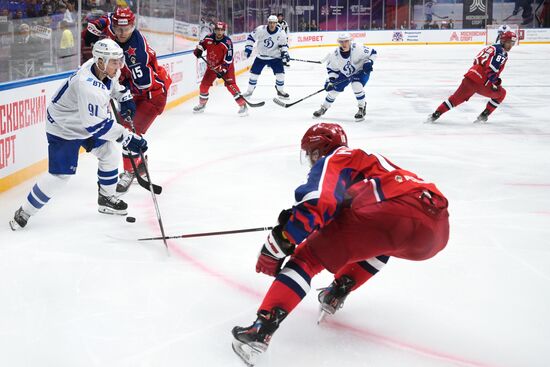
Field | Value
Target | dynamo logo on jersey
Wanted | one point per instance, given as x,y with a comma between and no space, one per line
268,43
349,69
477,4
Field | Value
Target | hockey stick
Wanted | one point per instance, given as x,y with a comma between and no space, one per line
508,17
141,181
440,17
219,75
148,175
287,105
310,61
205,234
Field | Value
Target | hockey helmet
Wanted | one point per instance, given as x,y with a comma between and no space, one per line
220,25
508,36
322,138
272,19
344,37
107,49
123,17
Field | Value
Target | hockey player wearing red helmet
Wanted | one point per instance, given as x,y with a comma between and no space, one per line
147,80
355,211
219,55
482,78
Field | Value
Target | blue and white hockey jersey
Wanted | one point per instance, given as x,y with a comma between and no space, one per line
270,45
359,55
80,108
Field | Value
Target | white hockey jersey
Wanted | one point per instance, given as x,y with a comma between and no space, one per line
359,55
80,108
270,45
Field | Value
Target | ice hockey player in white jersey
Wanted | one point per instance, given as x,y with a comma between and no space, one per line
349,63
272,51
79,115
501,30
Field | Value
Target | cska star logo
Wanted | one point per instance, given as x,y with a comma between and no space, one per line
131,51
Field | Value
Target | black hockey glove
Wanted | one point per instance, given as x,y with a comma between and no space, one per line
198,51
329,84
284,216
274,251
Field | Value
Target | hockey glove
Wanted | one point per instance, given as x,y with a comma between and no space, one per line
128,108
134,142
273,253
248,51
329,84
221,70
367,67
284,216
198,51
286,57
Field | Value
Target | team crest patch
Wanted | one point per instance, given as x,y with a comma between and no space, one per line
399,178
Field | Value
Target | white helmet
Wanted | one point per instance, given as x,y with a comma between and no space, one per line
273,18
107,49
344,37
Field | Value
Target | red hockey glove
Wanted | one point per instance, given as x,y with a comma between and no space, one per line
273,253
221,70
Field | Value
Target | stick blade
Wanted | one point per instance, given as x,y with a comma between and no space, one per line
279,102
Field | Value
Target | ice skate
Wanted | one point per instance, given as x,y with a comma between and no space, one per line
199,108
483,117
111,205
249,343
125,180
332,297
433,117
20,219
360,115
248,93
243,110
282,94
320,112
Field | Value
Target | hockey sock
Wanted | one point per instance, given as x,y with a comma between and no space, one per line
444,107
330,98
359,93
280,81
203,98
46,187
363,270
107,181
492,105
293,282
126,160
252,81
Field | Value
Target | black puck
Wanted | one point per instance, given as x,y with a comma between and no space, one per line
130,219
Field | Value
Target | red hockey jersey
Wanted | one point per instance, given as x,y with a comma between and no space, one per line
488,65
347,173
145,76
218,52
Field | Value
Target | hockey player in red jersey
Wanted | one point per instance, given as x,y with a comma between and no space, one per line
482,78
148,81
355,211
219,56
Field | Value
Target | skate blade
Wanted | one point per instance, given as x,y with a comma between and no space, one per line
14,225
249,353
197,112
322,315
285,98
244,114
359,119
106,210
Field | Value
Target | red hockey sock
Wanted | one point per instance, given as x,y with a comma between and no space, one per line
293,282
492,105
128,165
362,271
444,107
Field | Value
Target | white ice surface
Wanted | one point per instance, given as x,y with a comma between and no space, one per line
76,289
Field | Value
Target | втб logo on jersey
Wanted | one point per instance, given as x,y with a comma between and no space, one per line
477,4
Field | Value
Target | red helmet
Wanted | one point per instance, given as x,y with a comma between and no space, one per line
123,17
508,36
220,25
324,137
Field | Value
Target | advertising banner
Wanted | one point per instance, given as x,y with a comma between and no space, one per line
475,13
